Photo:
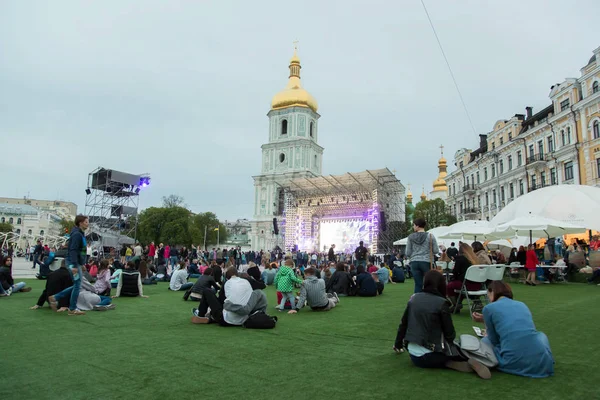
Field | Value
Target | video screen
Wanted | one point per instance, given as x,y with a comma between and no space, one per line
345,235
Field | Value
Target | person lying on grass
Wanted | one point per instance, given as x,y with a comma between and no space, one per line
314,294
427,331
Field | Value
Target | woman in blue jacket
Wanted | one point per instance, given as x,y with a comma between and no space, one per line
518,346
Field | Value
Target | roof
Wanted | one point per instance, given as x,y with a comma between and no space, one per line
350,183
17,209
529,122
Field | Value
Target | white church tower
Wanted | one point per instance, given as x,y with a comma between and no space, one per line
291,152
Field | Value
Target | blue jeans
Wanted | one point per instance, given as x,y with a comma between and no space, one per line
419,269
104,301
18,286
290,296
76,287
36,260
173,262
358,263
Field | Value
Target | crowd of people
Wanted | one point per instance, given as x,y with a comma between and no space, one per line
229,288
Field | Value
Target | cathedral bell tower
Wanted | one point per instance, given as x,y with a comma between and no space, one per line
292,151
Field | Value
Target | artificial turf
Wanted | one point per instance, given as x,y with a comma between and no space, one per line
149,349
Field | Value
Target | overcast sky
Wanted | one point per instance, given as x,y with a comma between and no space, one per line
181,89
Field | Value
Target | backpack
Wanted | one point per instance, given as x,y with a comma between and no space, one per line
260,320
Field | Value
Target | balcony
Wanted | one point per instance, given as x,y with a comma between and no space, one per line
469,189
539,185
471,213
536,160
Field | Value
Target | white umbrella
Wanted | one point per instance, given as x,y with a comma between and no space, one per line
469,230
436,232
535,225
401,242
575,204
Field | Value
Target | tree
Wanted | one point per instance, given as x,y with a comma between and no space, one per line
169,225
66,225
434,212
211,222
5,227
173,201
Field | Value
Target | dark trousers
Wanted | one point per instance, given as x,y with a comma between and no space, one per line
209,299
419,269
433,360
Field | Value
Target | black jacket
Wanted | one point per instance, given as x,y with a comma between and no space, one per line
6,279
57,281
522,257
461,265
331,254
425,322
77,247
452,252
340,283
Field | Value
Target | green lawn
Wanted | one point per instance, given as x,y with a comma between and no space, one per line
148,348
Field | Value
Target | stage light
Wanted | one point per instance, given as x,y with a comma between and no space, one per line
88,191
137,190
144,181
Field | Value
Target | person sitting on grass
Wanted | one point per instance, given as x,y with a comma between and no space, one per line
371,268
268,275
57,281
380,286
284,282
206,281
130,283
102,283
313,293
253,271
89,300
45,265
115,277
398,275
519,348
235,303
384,273
426,329
340,282
179,279
365,282
466,257
193,270
7,282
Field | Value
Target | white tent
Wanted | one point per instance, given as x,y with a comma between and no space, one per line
436,232
577,205
469,230
535,226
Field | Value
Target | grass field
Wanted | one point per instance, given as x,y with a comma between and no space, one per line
148,349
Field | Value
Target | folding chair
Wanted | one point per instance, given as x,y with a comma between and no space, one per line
514,271
496,272
475,273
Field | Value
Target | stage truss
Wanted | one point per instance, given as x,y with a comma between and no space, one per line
366,196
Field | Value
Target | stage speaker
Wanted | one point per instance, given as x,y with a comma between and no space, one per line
382,224
275,227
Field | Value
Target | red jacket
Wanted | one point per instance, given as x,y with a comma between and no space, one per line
531,260
151,251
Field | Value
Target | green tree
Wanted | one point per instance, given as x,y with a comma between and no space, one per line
209,221
5,227
434,212
173,201
66,225
165,224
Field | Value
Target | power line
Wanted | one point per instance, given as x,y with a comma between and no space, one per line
449,68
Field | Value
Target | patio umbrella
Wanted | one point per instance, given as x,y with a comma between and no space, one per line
436,232
574,204
535,226
468,230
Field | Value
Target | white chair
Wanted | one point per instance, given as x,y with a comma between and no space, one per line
496,272
477,274
451,265
441,264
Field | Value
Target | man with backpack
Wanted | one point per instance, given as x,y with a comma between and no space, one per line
361,253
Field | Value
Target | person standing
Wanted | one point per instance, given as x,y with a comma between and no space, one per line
151,250
37,253
531,263
331,255
361,253
419,249
75,260
137,250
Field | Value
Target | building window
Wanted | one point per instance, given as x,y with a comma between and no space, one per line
10,220
501,167
18,231
568,135
511,189
519,159
18,221
598,167
531,152
509,135
543,179
461,207
595,87
315,161
493,171
509,163
521,187
478,177
533,182
569,170
454,188
564,105
563,137
487,199
493,145
310,129
485,174
461,164
501,141
281,157
494,197
596,129
550,144
284,125
502,194
541,148
479,199
42,232
29,232
553,176
3,220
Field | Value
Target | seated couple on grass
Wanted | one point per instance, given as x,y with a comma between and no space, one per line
512,344
368,283
236,302
313,293
206,281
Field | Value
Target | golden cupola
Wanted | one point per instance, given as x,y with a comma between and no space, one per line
409,196
423,195
439,185
294,95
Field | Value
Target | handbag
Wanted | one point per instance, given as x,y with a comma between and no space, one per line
450,348
472,347
260,320
431,263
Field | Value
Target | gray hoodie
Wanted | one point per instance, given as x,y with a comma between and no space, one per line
418,248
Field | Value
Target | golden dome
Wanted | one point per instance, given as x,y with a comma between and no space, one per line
294,95
423,195
409,196
439,185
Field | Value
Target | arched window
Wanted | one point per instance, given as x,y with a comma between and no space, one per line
595,87
284,127
311,128
568,135
596,129
18,231
3,220
18,221
562,137
42,232
10,220
29,232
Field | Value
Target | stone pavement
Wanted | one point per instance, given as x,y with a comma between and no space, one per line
22,268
